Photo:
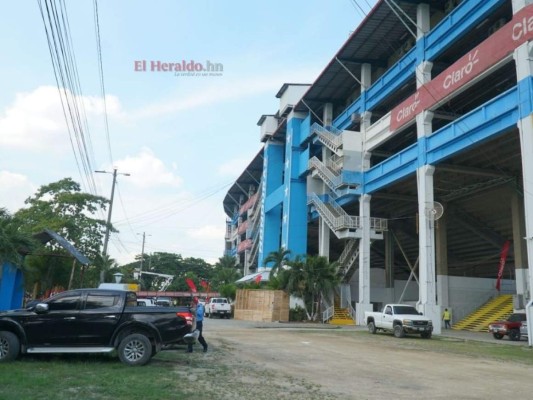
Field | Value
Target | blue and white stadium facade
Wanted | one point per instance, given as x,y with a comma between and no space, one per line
409,160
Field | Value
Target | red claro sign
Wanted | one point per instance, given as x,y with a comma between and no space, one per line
494,49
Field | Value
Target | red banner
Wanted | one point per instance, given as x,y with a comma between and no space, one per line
503,259
494,49
191,284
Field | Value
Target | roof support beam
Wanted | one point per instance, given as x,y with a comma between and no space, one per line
477,227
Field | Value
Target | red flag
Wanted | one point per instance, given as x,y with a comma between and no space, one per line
203,284
258,278
503,258
191,284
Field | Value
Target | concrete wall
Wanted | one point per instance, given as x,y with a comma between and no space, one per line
468,294
465,294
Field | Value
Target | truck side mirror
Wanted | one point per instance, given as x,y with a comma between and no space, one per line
41,308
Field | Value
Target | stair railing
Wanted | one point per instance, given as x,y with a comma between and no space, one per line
330,137
327,314
332,180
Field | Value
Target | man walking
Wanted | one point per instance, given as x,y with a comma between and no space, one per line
446,316
199,326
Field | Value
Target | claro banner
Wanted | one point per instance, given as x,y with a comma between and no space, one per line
491,51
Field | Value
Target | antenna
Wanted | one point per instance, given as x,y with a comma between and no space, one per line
436,211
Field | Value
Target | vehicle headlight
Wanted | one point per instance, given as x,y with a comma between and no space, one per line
407,322
430,322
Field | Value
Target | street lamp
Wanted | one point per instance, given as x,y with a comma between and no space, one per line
108,224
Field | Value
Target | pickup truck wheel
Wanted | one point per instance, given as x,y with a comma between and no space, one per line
135,349
372,327
398,331
498,336
426,335
9,346
514,335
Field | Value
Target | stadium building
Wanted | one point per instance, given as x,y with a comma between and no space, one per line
409,161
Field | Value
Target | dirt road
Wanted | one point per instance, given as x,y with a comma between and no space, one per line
351,364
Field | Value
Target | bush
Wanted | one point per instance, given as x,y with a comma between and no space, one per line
297,314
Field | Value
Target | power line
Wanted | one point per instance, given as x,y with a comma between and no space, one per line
101,74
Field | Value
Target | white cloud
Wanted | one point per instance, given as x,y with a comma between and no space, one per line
146,170
14,189
35,119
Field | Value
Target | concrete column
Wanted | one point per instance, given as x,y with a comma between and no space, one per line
519,4
423,20
323,228
270,224
294,220
426,237
519,245
364,260
366,76
441,236
389,259
523,56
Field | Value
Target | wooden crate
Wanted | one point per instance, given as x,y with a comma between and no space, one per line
262,305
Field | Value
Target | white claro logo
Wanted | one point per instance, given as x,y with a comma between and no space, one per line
409,110
522,28
459,73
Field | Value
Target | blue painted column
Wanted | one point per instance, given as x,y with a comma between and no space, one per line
294,222
270,225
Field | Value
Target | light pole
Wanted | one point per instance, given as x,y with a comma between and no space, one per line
108,224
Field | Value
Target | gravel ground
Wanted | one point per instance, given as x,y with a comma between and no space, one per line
257,361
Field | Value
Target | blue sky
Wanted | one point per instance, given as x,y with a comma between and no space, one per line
183,139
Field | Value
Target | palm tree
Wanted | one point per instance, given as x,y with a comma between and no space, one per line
277,259
307,279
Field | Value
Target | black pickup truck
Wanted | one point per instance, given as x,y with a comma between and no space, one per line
94,321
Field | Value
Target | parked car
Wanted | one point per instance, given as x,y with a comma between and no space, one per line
94,321
400,319
218,306
510,327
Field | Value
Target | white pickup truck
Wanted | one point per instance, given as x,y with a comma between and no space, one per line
218,306
399,319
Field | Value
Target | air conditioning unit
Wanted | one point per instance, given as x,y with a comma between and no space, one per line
497,25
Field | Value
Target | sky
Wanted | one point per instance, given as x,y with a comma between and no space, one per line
184,139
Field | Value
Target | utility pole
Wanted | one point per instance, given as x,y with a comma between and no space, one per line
142,251
108,224
142,258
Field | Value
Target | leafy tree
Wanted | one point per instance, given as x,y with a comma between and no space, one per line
307,279
277,259
62,207
13,239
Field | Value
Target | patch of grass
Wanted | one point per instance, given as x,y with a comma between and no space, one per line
172,374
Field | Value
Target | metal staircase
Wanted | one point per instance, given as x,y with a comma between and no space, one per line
347,260
330,178
495,309
343,225
341,316
329,137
